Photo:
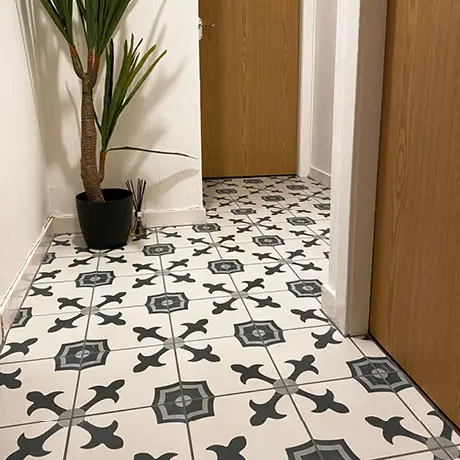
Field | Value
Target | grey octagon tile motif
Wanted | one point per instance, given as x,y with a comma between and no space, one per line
95,279
158,250
268,240
167,303
225,266
258,333
378,375
83,354
183,401
305,288
330,450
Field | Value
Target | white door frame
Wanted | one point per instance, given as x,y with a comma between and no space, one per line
360,52
307,86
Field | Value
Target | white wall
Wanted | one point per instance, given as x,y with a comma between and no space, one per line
323,101
23,187
165,115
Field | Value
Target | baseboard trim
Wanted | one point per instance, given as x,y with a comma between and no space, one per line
12,302
331,309
320,176
69,223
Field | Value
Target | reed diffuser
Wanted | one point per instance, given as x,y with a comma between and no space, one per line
138,191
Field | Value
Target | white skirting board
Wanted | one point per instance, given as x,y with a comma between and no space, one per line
69,224
20,286
320,176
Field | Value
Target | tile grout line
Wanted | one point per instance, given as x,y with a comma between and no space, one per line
401,399
77,385
176,358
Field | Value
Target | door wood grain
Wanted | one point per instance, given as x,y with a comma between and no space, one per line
415,307
250,87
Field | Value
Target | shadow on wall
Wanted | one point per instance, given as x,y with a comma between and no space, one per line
57,97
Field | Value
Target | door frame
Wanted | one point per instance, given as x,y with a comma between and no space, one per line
359,65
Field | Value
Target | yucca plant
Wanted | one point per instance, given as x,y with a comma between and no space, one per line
99,20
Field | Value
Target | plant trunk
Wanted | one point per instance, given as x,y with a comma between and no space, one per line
89,172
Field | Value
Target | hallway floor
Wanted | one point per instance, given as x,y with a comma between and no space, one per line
206,342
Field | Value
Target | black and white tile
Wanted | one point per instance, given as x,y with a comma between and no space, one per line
206,342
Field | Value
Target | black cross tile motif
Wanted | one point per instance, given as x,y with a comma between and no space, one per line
224,243
393,427
34,447
144,456
326,339
232,451
22,348
84,310
226,305
284,263
285,387
305,315
179,277
41,291
199,354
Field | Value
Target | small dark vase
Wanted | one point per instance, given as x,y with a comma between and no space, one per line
106,225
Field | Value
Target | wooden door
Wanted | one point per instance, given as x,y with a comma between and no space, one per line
249,87
415,311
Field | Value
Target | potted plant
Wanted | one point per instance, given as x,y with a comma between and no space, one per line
105,215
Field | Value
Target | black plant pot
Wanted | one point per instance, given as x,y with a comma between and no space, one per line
106,225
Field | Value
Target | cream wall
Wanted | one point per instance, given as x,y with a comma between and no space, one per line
165,115
23,187
323,100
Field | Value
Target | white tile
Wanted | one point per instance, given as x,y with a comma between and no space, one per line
216,316
43,438
232,433
127,379
47,298
222,363
130,327
372,424
129,291
133,435
57,269
288,311
37,391
36,337
326,351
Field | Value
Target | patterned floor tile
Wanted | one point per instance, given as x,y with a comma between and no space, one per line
130,327
446,435
191,258
224,363
32,441
313,247
159,331
188,235
287,310
133,435
209,319
262,278
200,284
331,355
56,269
133,263
316,269
37,337
227,219
47,298
127,379
38,391
129,291
68,245
365,423
236,431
